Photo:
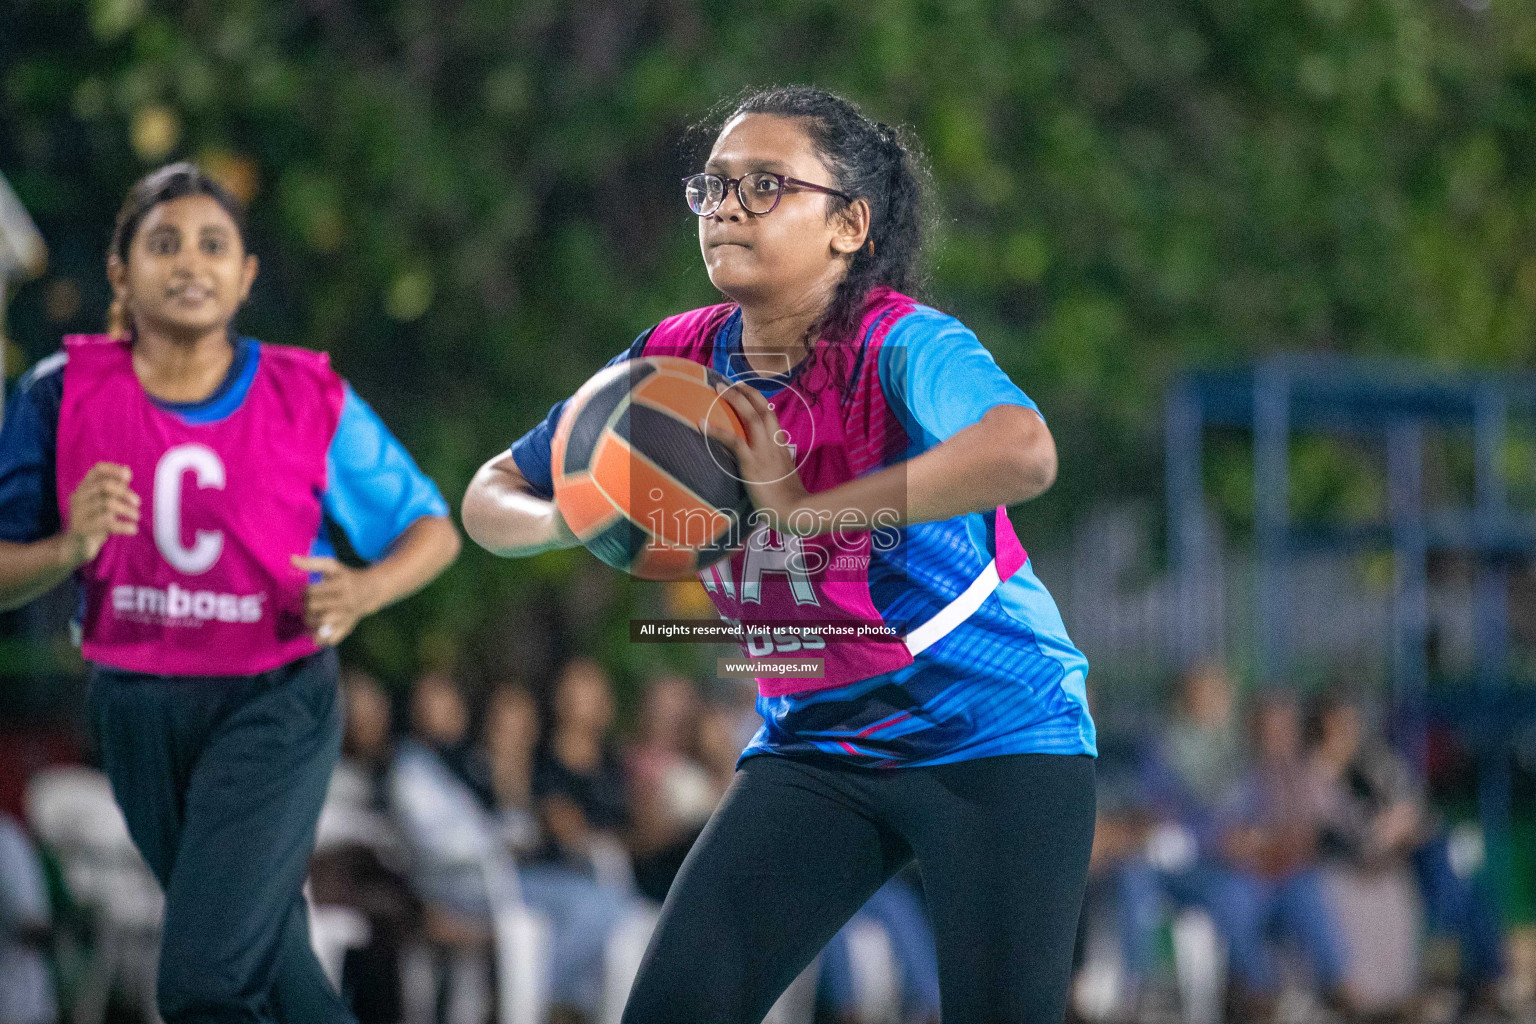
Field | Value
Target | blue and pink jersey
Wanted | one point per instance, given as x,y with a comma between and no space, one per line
231,489
987,668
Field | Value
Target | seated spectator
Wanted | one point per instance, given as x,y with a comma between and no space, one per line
671,793
1377,820
1269,847
1168,853
26,931
441,802
358,858
720,744
579,784
466,810
739,697
508,741
367,745
1121,830
897,907
582,913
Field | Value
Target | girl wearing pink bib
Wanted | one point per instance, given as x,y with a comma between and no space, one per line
182,475
183,600
883,445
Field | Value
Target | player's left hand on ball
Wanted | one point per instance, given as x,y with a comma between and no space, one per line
767,464
334,603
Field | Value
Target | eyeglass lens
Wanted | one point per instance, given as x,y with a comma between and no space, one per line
758,192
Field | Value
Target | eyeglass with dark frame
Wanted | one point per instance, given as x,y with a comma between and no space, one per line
705,192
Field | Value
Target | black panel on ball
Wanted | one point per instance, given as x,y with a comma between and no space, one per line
703,465
596,412
618,544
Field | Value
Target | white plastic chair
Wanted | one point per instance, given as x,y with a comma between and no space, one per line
1200,962
73,812
876,974
333,930
1380,924
445,830
621,961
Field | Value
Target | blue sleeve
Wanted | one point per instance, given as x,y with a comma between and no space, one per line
23,888
940,379
374,490
531,451
1243,805
29,508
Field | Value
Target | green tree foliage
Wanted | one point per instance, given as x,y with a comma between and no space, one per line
472,203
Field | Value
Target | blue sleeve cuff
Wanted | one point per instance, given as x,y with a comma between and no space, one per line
29,509
374,489
531,452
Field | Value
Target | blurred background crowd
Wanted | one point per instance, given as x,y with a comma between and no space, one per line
1268,267
501,852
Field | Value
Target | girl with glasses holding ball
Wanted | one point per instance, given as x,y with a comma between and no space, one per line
882,446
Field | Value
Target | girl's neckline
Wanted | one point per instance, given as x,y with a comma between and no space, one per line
738,369
243,349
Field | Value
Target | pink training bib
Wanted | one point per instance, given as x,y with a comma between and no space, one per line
206,586
838,434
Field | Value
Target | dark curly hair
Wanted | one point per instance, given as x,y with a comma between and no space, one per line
876,162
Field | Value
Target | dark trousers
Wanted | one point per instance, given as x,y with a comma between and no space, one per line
221,780
795,848
1463,908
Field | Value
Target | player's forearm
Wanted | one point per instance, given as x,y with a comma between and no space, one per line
1006,458
28,571
502,516
417,557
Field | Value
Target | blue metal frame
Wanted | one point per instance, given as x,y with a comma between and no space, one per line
1275,398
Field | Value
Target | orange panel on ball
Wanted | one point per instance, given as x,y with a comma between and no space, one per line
688,401
610,471
684,367
584,506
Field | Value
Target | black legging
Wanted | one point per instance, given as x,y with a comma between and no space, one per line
797,847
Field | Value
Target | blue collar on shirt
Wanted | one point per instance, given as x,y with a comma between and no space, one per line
729,361
230,393
732,364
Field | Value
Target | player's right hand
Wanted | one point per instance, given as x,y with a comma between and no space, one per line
103,504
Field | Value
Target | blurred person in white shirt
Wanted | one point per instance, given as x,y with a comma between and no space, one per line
26,931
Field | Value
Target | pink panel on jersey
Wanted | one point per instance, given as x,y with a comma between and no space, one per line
1010,552
206,586
836,441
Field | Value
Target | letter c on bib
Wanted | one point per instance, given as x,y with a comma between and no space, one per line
206,547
